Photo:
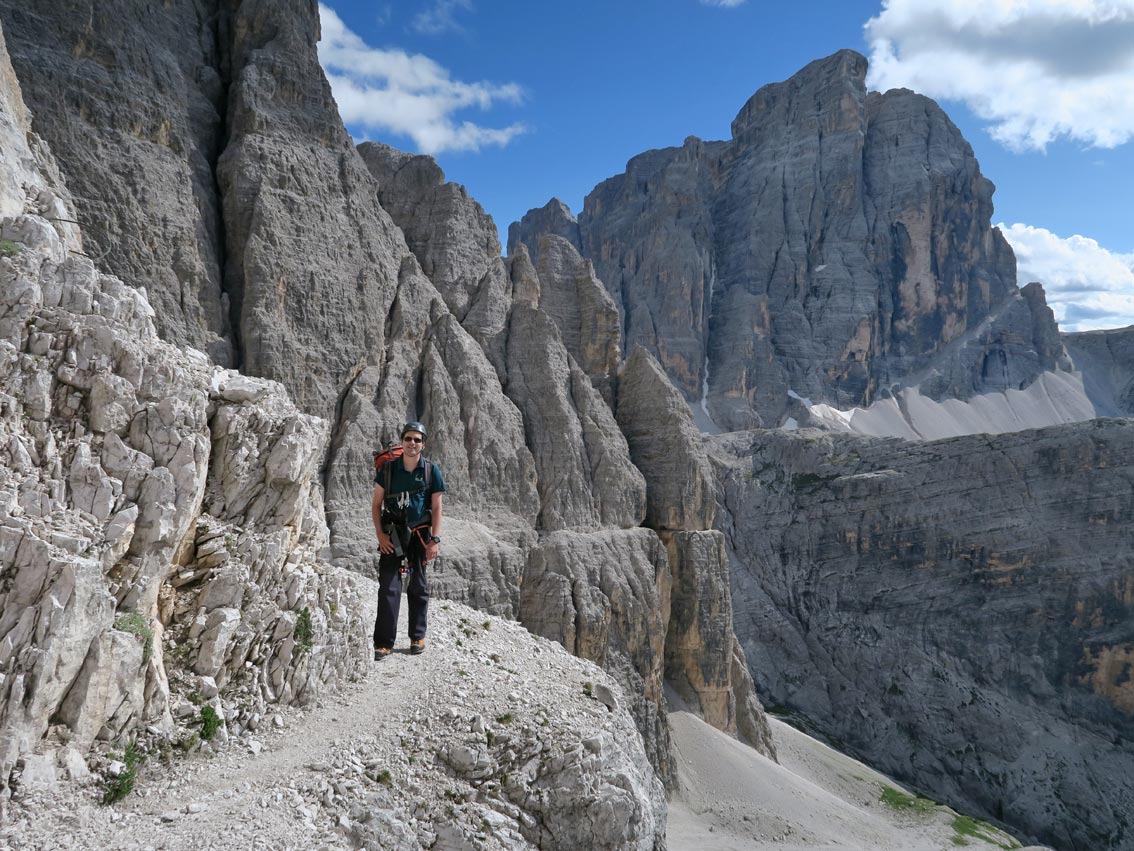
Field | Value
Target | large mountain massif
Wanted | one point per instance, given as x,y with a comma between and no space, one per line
837,247
194,382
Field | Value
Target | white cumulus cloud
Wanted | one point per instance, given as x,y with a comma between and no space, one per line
1087,286
1036,69
389,91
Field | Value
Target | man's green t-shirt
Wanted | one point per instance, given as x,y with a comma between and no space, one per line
407,495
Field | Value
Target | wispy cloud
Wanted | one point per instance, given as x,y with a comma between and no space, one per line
1088,287
724,4
389,91
440,17
1036,69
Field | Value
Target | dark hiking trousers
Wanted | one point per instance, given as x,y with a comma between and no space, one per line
390,595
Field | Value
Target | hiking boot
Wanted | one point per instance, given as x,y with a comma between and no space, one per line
381,653
416,648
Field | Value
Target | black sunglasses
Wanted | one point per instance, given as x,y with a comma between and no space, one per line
413,440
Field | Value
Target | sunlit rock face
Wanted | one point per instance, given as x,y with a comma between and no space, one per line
148,500
838,244
206,156
960,612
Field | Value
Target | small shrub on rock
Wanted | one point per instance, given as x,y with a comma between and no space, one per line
119,787
304,630
210,723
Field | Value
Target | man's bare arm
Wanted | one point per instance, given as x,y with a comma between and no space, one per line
384,543
436,511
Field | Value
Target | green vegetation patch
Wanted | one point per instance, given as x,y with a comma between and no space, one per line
304,630
135,624
902,802
8,248
967,828
119,787
210,723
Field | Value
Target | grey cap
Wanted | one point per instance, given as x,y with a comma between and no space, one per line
414,426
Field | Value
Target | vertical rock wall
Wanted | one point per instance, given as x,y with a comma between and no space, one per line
957,612
131,99
703,659
115,448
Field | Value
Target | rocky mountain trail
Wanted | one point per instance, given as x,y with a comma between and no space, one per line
491,739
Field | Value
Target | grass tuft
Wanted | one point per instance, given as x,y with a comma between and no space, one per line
304,630
119,787
902,802
967,828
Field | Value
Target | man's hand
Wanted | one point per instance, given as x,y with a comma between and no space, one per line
431,551
385,545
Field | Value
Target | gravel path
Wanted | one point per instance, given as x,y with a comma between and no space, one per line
254,794
491,739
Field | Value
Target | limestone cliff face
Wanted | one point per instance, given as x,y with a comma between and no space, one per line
1106,359
199,140
373,292
959,611
145,493
452,237
139,132
323,292
837,245
554,218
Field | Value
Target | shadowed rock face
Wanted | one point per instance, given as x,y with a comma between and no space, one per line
1106,359
208,163
838,244
133,103
960,612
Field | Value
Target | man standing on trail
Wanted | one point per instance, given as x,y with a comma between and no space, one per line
406,509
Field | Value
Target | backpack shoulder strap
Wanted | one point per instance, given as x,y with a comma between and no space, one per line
428,476
387,473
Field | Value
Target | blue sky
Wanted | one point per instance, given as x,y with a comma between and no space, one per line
522,101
